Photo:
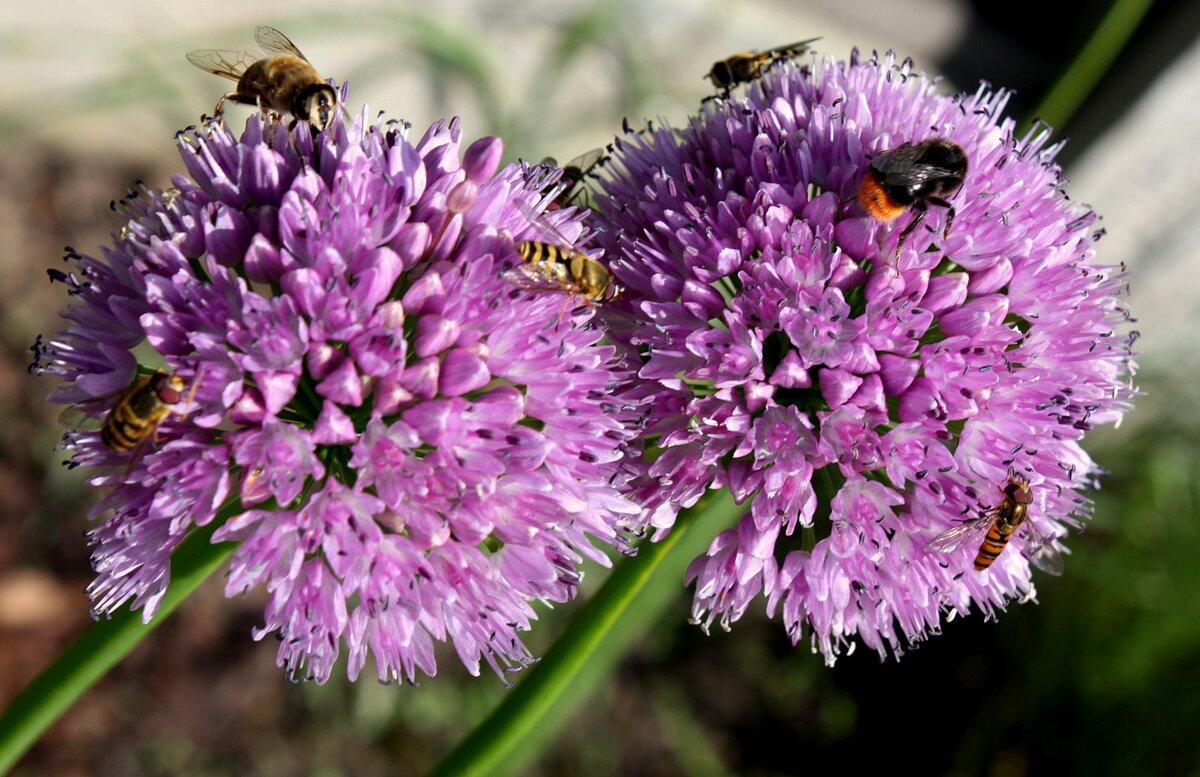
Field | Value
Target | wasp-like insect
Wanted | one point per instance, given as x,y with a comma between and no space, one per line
996,527
140,409
747,66
555,267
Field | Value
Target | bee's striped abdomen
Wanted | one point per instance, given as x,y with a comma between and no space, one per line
139,411
122,429
570,270
993,545
536,252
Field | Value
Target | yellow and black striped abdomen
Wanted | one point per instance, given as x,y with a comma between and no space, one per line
569,270
1009,517
544,256
135,416
993,545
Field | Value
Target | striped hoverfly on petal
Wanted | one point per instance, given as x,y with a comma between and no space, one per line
993,530
553,263
747,66
141,408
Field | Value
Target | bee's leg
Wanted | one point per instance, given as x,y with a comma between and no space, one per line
919,207
219,111
563,313
137,454
268,114
950,213
236,97
191,393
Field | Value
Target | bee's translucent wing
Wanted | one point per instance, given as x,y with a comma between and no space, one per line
76,417
530,278
574,174
227,64
275,41
548,232
1041,552
970,533
585,161
793,49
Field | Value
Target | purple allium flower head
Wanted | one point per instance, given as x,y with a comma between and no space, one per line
871,391
412,449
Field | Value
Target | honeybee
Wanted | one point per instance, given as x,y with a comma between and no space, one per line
747,66
913,177
140,409
996,527
285,82
573,173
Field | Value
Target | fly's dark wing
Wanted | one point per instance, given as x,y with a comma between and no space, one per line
585,161
901,167
792,49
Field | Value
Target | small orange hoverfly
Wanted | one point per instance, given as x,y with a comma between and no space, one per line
995,528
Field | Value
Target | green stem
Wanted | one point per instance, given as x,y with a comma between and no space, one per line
624,608
103,645
1093,61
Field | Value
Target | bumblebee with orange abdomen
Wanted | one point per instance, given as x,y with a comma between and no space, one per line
140,409
913,177
996,527
285,82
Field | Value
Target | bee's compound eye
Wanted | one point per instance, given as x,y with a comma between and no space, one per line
168,388
319,108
